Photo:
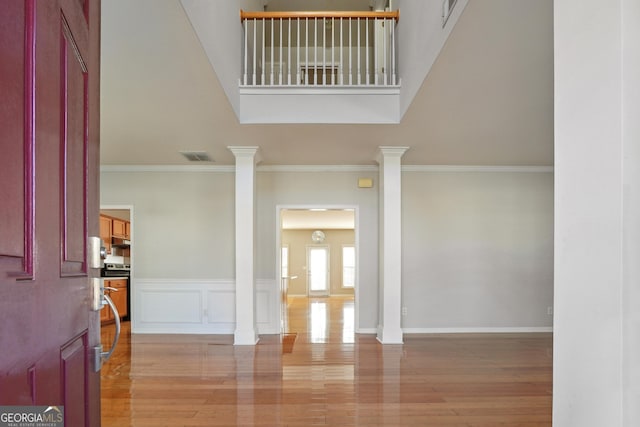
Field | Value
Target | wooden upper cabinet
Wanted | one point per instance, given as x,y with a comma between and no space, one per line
105,232
119,228
127,231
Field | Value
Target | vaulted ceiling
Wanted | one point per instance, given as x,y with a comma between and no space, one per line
488,100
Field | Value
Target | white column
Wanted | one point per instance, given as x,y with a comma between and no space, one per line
390,213
246,332
597,213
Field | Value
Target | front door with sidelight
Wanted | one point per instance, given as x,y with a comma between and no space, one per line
318,270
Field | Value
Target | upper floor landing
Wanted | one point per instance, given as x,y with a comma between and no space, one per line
361,67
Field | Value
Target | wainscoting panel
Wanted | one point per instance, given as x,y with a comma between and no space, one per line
268,312
171,306
221,309
197,306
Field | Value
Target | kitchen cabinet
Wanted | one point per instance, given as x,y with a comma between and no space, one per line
113,227
105,232
118,297
118,228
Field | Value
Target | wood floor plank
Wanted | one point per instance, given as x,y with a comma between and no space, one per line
321,373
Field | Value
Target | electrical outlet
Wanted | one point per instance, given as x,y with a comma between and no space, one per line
404,311
549,310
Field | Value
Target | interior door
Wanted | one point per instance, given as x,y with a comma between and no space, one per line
49,136
318,270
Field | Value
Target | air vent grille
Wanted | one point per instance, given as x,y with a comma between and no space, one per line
197,156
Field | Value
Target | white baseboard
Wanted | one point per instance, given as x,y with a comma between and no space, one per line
499,330
370,331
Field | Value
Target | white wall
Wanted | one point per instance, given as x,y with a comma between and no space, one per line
597,152
631,272
420,39
218,27
476,245
477,251
184,222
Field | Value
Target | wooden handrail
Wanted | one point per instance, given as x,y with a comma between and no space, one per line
395,14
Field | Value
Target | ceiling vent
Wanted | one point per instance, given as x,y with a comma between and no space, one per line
197,156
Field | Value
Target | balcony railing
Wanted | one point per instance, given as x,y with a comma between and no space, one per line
319,49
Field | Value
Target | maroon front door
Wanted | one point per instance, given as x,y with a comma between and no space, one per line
49,149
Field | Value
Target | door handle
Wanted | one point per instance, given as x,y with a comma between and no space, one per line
99,356
105,355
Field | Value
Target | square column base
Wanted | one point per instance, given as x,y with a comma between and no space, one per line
247,337
389,335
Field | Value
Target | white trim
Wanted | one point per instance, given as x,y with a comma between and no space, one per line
325,168
476,168
317,168
168,168
481,330
369,331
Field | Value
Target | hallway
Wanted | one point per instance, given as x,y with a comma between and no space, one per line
320,373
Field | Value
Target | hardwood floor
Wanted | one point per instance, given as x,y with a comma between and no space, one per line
321,373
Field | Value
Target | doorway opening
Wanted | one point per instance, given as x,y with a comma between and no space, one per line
318,270
317,265
116,235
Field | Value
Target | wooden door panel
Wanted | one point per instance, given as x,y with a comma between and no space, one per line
16,138
73,362
73,115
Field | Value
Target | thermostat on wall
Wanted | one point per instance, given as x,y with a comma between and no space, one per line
365,183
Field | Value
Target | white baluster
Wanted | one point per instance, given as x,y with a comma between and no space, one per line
272,52
341,57
255,49
280,70
315,49
246,54
263,43
358,47
333,48
393,51
376,40
385,40
298,53
306,55
366,51
350,54
289,54
324,51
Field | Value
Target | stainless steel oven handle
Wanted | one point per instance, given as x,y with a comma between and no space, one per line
105,355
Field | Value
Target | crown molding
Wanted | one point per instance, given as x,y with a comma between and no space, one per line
317,168
168,168
475,168
325,168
